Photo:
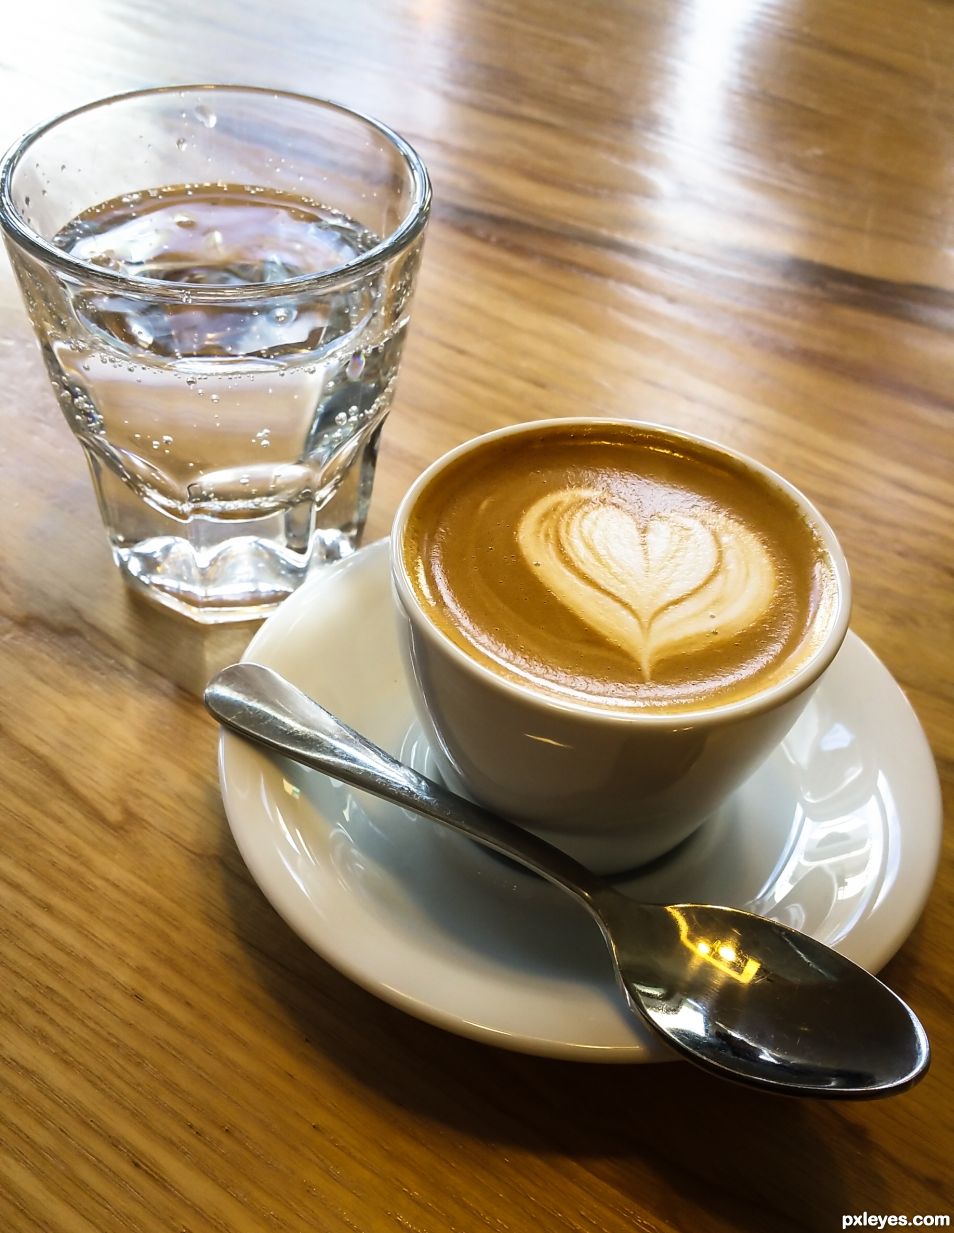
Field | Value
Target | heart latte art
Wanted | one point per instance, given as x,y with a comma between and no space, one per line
666,585
618,566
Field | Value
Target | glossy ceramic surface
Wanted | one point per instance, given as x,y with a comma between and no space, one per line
837,834
560,764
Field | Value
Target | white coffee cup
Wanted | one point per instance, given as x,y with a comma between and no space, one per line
612,789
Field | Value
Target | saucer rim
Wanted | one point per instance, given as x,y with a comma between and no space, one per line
905,901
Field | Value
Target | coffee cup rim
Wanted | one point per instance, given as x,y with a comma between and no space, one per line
765,699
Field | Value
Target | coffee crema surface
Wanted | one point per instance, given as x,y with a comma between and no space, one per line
621,567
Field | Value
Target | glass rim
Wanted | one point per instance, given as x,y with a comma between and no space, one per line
412,224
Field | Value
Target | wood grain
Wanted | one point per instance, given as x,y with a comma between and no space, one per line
732,216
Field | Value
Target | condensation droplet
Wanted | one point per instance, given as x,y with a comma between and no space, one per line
144,337
206,117
181,143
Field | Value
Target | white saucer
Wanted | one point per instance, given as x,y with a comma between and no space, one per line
837,834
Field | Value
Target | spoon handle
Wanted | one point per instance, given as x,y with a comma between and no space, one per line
261,705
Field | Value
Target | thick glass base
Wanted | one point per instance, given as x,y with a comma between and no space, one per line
243,579
216,570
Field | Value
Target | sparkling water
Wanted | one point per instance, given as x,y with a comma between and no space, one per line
229,442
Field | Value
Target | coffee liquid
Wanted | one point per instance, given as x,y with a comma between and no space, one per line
618,566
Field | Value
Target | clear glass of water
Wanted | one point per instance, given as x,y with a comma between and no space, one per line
220,279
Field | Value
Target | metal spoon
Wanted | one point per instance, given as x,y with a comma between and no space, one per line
742,996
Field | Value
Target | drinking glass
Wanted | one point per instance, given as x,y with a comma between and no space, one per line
220,279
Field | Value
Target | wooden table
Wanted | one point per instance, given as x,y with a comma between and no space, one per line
732,216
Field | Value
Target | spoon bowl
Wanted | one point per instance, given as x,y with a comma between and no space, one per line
743,996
